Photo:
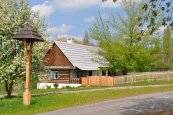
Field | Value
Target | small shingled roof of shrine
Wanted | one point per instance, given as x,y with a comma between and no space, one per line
29,33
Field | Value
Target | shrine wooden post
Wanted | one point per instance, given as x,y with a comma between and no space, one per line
28,35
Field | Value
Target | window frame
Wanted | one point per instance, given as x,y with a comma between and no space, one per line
54,75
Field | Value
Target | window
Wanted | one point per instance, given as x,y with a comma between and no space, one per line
110,73
53,75
103,73
90,73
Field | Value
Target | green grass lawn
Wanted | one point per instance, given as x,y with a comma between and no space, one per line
58,101
148,83
38,91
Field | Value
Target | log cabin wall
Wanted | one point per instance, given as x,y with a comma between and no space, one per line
64,77
55,57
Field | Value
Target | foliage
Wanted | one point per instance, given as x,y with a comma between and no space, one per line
59,101
152,11
167,46
86,39
14,15
122,44
155,7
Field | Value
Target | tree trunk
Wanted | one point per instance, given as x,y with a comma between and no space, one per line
8,87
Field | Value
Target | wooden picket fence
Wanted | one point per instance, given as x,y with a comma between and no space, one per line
142,77
97,81
128,79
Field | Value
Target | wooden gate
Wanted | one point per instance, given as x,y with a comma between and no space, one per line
97,81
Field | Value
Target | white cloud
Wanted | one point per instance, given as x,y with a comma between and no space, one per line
110,4
117,4
44,9
90,19
69,5
59,30
49,7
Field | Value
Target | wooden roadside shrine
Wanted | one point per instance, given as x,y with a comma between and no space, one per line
28,35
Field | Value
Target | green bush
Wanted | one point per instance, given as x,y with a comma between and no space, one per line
48,87
55,85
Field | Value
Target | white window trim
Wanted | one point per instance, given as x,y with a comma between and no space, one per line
52,75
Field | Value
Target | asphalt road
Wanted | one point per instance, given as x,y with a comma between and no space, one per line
126,106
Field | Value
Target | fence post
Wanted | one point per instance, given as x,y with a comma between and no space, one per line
100,80
168,75
114,80
87,80
147,76
131,79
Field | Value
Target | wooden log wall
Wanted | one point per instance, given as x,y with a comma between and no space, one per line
64,77
55,57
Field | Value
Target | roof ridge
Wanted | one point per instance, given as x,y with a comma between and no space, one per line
76,44
80,55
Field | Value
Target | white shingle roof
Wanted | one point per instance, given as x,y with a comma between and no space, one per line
81,56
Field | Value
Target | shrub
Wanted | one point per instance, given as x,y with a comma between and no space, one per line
48,87
56,85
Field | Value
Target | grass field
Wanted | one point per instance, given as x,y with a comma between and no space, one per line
38,91
58,101
145,83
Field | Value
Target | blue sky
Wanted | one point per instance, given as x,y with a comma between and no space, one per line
72,17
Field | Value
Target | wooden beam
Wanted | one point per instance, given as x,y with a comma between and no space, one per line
27,94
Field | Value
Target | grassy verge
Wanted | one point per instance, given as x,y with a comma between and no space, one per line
148,83
58,101
38,91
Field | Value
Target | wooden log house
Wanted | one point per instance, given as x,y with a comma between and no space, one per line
68,62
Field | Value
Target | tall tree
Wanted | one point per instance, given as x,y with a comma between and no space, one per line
86,39
153,8
14,15
167,46
121,41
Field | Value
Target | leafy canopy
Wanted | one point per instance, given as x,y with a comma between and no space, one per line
14,14
121,42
